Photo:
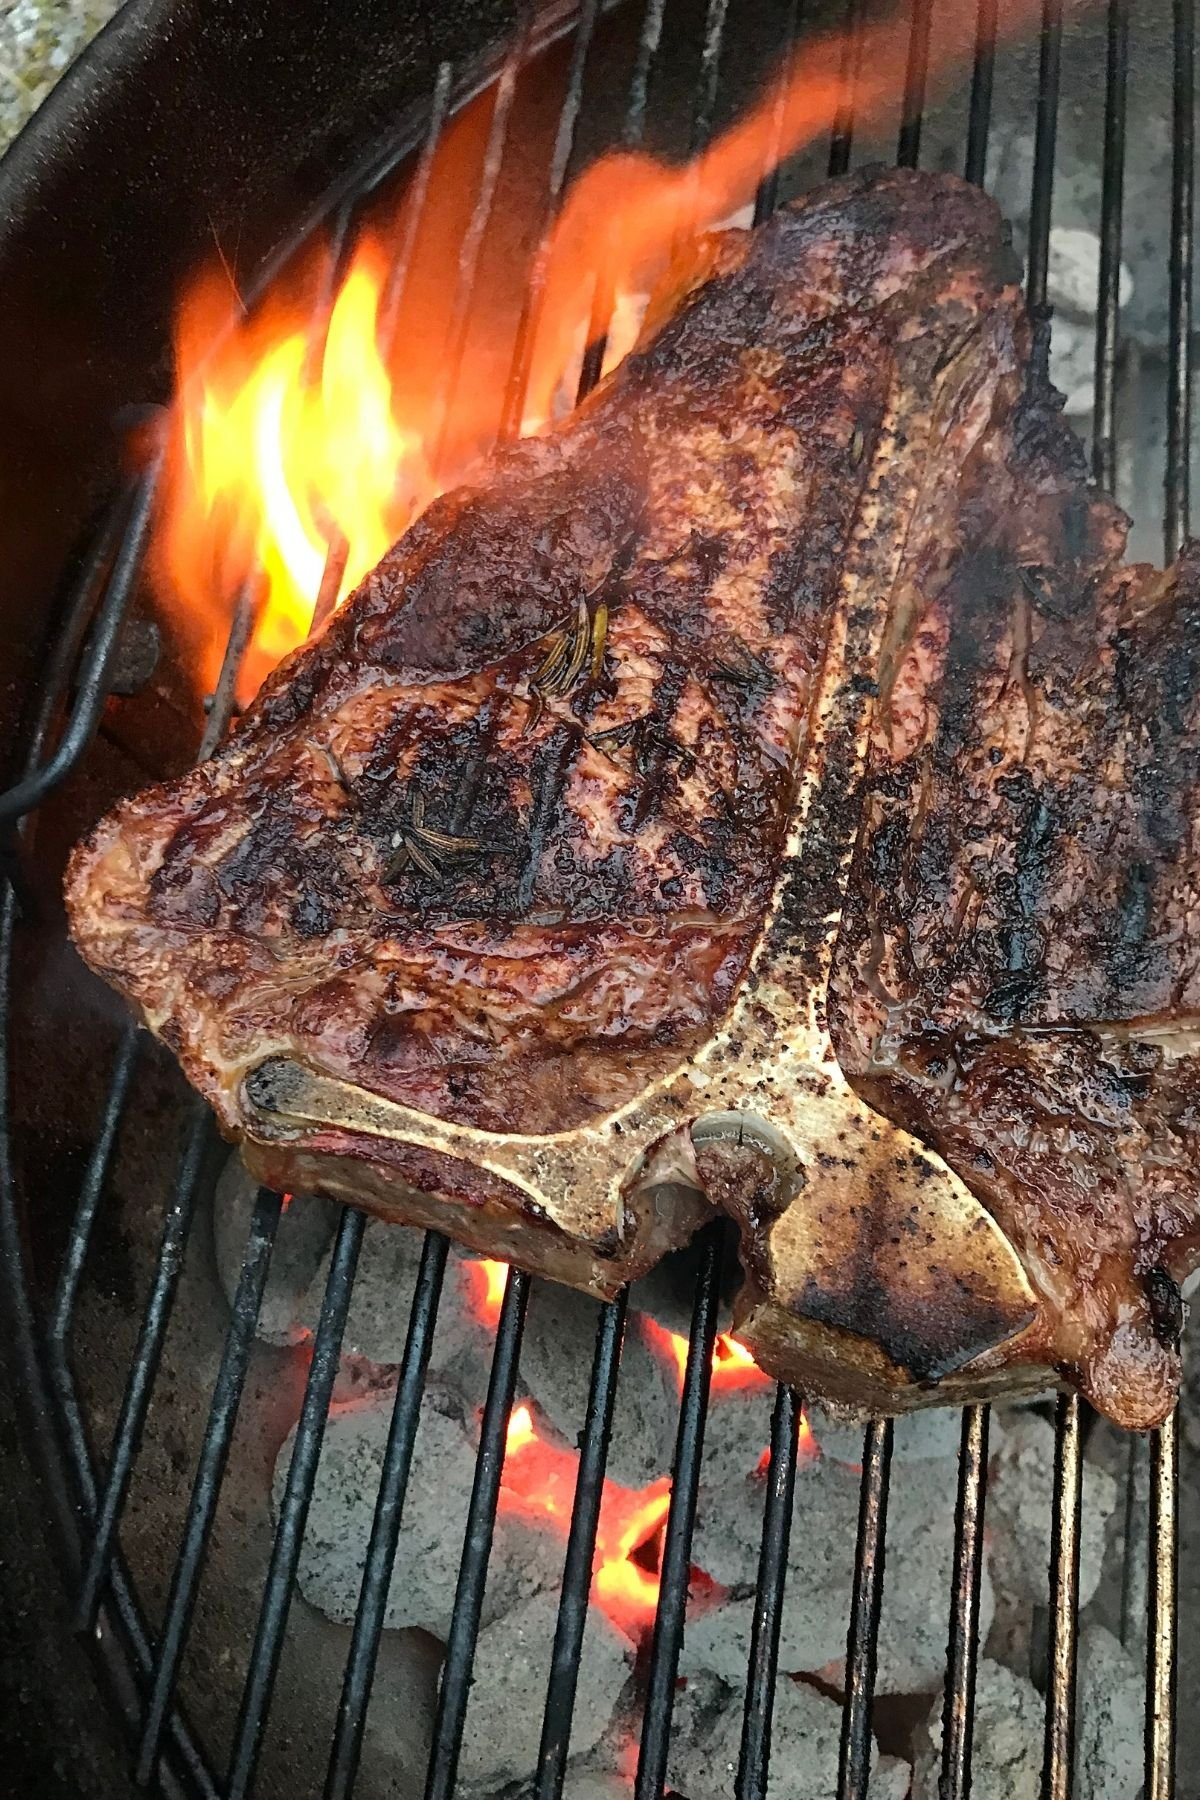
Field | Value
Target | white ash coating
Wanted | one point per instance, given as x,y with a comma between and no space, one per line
921,1436
1019,1499
431,1532
1007,1754
918,1564
1109,1713
302,1240
556,1368
805,1735
736,1432
380,1304
508,1690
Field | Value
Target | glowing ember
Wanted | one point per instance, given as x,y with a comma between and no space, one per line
732,1364
539,1477
520,1430
485,1288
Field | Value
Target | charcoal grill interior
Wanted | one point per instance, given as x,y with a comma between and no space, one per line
141,1410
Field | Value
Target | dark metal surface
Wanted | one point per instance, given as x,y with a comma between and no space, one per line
866,1603
963,1649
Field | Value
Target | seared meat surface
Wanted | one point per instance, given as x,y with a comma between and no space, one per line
539,853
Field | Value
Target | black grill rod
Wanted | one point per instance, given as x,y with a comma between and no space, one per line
1049,65
389,310
1163,1622
632,135
95,669
1104,427
477,1545
385,1525
472,242
766,195
681,1519
916,75
979,114
962,1654
95,1181
136,1400
122,1653
1058,1765
293,1509
841,136
1179,382
581,1547
854,1760
755,1755
535,288
210,1470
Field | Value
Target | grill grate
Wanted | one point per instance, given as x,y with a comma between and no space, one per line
143,1672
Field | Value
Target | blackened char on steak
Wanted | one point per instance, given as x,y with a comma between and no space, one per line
571,792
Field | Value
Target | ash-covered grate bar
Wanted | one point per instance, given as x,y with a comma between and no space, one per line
1163,1624
677,1547
1058,1766
1045,140
755,1757
1179,375
841,136
958,1712
916,75
477,1545
385,1525
1104,430
581,1545
866,1602
293,1507
210,1469
979,112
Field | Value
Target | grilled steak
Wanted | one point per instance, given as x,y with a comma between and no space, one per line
513,904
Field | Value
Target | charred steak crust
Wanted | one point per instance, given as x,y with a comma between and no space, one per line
500,846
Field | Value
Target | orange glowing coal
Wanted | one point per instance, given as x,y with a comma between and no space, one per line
485,1288
297,461
539,1480
732,1364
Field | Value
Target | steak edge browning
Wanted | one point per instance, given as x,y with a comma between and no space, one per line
538,855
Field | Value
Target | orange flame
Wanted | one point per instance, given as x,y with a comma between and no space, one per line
732,1364
539,1477
291,451
485,1283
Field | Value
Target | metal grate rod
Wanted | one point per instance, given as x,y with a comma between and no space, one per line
385,1526
916,74
681,1519
1058,1766
581,1545
1179,376
755,1757
962,1656
1104,439
854,1761
1049,66
477,1547
1163,1633
841,136
210,1470
979,116
293,1509
136,1402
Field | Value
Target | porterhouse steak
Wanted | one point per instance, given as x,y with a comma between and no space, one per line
767,791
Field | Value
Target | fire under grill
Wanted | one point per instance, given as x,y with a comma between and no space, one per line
91,1452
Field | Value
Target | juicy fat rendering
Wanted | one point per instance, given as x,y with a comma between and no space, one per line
768,791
